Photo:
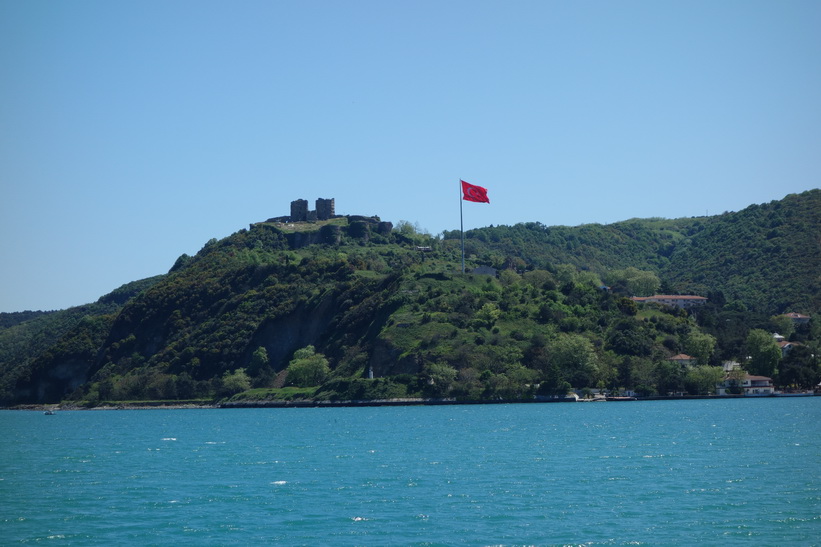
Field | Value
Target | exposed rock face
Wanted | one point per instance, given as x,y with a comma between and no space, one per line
360,230
386,360
56,382
331,234
284,335
359,227
297,240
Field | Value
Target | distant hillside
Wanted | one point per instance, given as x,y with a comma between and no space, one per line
8,320
24,341
765,258
313,310
645,244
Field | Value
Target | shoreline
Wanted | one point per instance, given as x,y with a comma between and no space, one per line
199,405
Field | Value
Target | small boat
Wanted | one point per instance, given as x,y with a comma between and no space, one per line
49,412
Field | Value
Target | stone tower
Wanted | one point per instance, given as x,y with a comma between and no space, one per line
299,210
324,208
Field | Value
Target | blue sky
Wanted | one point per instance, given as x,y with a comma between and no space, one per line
133,132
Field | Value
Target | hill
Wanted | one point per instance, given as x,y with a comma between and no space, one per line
315,310
28,336
764,258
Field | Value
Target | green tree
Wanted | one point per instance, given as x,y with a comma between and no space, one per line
541,279
487,315
439,378
566,273
699,345
636,282
736,380
260,368
642,283
235,382
467,384
782,325
589,278
798,369
407,228
763,352
259,361
308,368
509,277
576,359
669,377
641,371
702,380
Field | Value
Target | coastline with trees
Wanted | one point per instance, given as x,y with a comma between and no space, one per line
376,315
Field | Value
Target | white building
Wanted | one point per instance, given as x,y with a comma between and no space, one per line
751,386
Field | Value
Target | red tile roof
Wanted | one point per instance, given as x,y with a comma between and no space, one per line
793,315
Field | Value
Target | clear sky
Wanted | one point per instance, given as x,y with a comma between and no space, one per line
133,132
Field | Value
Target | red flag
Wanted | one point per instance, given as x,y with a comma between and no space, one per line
471,192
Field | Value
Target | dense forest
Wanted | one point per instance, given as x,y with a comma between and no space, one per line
347,310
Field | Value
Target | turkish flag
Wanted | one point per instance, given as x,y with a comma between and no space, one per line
471,192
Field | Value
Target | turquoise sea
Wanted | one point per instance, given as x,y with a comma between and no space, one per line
656,472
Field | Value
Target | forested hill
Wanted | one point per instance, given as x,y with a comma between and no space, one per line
765,258
311,310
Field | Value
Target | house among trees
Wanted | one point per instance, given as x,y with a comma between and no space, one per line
681,301
798,318
683,360
786,347
751,386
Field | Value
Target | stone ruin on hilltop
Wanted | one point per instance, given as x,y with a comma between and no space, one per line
325,210
359,227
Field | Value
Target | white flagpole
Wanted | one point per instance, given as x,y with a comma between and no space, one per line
462,225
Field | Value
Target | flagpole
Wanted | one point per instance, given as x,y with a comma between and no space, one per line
462,225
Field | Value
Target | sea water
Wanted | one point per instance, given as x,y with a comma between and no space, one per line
615,473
